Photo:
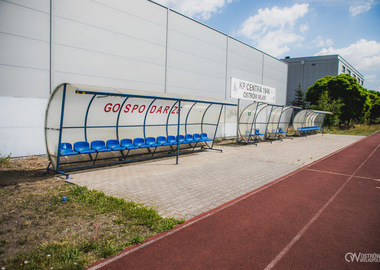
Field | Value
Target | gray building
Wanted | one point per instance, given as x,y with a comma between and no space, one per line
304,71
131,44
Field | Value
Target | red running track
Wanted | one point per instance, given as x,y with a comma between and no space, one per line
310,218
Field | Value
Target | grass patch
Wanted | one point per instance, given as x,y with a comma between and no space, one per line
41,231
5,161
358,130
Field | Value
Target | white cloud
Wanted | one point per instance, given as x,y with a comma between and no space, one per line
273,29
199,9
361,7
304,27
363,55
319,41
372,79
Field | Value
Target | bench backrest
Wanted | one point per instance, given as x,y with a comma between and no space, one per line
138,141
196,136
81,145
203,135
171,138
98,144
126,142
66,146
180,137
161,139
150,140
111,143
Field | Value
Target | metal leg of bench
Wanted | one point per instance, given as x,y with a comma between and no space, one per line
195,145
125,157
122,155
65,174
155,148
96,156
48,167
215,149
171,148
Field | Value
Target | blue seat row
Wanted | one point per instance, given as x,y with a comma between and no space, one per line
308,128
99,146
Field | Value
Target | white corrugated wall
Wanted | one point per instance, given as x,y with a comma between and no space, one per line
133,44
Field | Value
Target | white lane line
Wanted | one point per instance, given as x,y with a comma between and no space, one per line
342,174
314,218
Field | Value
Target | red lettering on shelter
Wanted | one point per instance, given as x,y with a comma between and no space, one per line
153,109
108,107
127,107
116,107
139,108
142,109
135,107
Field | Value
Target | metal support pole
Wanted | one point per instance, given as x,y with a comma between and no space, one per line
203,117
217,125
145,116
167,119
178,128
86,116
238,121
60,127
253,122
288,123
278,124
266,129
118,118
187,116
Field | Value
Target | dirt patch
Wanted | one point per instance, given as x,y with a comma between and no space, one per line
16,217
24,170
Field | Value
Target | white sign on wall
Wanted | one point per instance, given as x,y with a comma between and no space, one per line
252,91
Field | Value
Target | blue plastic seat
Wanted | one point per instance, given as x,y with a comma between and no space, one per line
83,148
171,139
190,138
281,131
197,137
140,142
204,137
99,146
257,132
151,141
128,144
67,150
114,145
181,139
162,140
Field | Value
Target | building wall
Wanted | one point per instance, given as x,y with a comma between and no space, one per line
345,68
133,44
304,71
24,75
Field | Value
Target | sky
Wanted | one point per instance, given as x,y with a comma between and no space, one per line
350,28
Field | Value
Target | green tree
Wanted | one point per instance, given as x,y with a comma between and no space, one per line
300,99
374,114
325,103
354,99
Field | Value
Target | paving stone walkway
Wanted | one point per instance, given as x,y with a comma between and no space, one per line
205,180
